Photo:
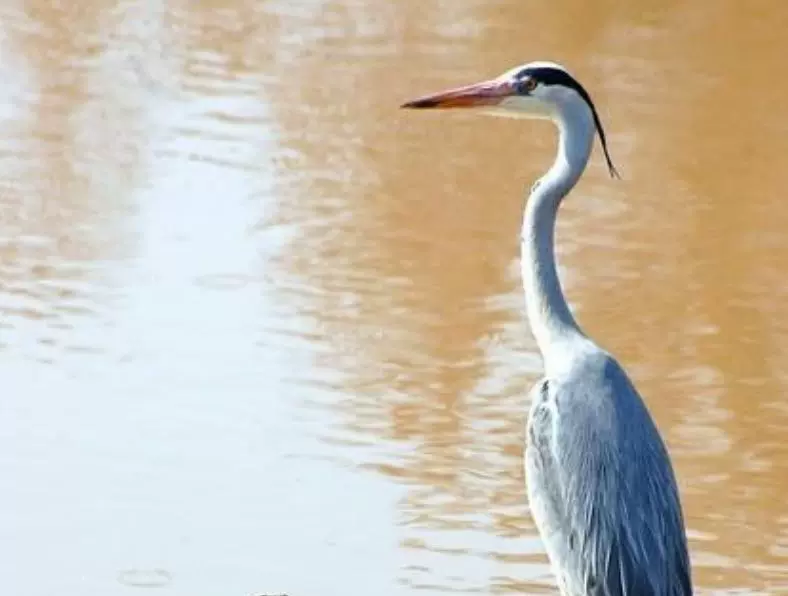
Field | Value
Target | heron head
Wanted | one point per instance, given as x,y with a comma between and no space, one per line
537,90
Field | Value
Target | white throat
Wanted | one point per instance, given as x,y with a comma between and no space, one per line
550,318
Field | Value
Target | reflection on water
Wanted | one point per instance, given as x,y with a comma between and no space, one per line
261,332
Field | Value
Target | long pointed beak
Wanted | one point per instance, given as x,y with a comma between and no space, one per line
487,93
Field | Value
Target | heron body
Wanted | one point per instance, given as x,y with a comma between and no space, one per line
600,484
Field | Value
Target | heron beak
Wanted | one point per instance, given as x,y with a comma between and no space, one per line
487,93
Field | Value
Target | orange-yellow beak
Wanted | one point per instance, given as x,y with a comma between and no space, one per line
487,93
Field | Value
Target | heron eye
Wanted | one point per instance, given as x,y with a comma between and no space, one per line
526,85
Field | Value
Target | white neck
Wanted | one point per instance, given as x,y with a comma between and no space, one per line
552,323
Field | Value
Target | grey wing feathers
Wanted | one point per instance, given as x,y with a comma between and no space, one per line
602,488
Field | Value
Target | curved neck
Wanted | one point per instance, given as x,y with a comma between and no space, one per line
551,320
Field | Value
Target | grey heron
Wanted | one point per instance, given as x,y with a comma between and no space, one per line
600,483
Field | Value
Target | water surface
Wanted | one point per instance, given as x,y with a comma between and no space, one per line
262,332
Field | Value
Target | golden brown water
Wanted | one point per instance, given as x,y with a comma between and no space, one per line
263,332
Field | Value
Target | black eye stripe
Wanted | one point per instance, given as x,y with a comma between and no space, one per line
547,75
